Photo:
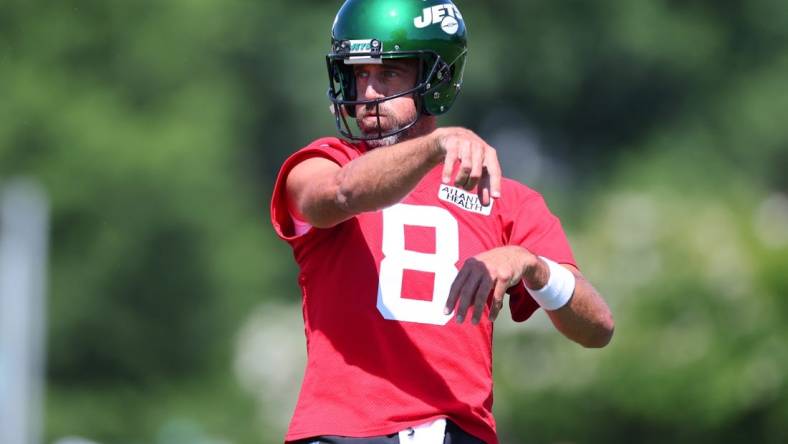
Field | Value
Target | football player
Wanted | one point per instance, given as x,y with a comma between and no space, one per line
408,237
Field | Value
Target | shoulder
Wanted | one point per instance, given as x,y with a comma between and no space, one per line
515,194
335,143
332,148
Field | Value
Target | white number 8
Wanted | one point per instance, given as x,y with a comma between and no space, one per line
396,259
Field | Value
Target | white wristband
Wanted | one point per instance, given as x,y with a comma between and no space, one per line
558,290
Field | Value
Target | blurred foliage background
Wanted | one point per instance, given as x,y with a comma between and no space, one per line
655,128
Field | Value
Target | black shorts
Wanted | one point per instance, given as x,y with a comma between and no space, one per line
454,435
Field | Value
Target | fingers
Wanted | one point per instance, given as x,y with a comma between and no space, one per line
471,168
484,188
479,164
494,170
471,288
448,164
497,299
463,289
454,291
466,165
466,297
480,300
477,159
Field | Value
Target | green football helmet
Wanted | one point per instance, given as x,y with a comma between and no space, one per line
371,31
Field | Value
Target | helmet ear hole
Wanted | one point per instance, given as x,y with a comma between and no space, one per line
444,73
436,76
439,73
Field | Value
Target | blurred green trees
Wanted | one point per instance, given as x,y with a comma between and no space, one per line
657,127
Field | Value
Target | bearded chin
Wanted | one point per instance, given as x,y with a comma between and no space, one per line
386,141
392,139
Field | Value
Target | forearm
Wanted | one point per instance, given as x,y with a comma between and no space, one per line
385,175
324,194
586,318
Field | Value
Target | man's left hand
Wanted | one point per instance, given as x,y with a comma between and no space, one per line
494,270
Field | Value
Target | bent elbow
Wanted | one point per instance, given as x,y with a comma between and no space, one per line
602,335
599,340
347,200
344,197
327,206
350,196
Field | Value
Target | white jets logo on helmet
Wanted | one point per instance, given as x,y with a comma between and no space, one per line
446,14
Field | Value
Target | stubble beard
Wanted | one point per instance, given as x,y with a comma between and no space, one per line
418,129
394,139
387,141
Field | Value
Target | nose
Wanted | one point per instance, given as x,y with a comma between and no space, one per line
372,87
372,91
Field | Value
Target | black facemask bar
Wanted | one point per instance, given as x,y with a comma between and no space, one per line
344,107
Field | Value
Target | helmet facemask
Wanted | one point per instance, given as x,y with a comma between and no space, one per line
434,73
373,31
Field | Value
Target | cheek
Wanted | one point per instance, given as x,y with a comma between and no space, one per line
403,106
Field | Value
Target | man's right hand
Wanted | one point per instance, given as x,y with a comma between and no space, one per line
478,161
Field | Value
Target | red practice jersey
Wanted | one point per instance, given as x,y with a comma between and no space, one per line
382,356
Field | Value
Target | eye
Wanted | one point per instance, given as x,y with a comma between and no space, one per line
362,74
390,74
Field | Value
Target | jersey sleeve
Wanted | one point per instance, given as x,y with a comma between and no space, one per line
535,228
329,148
